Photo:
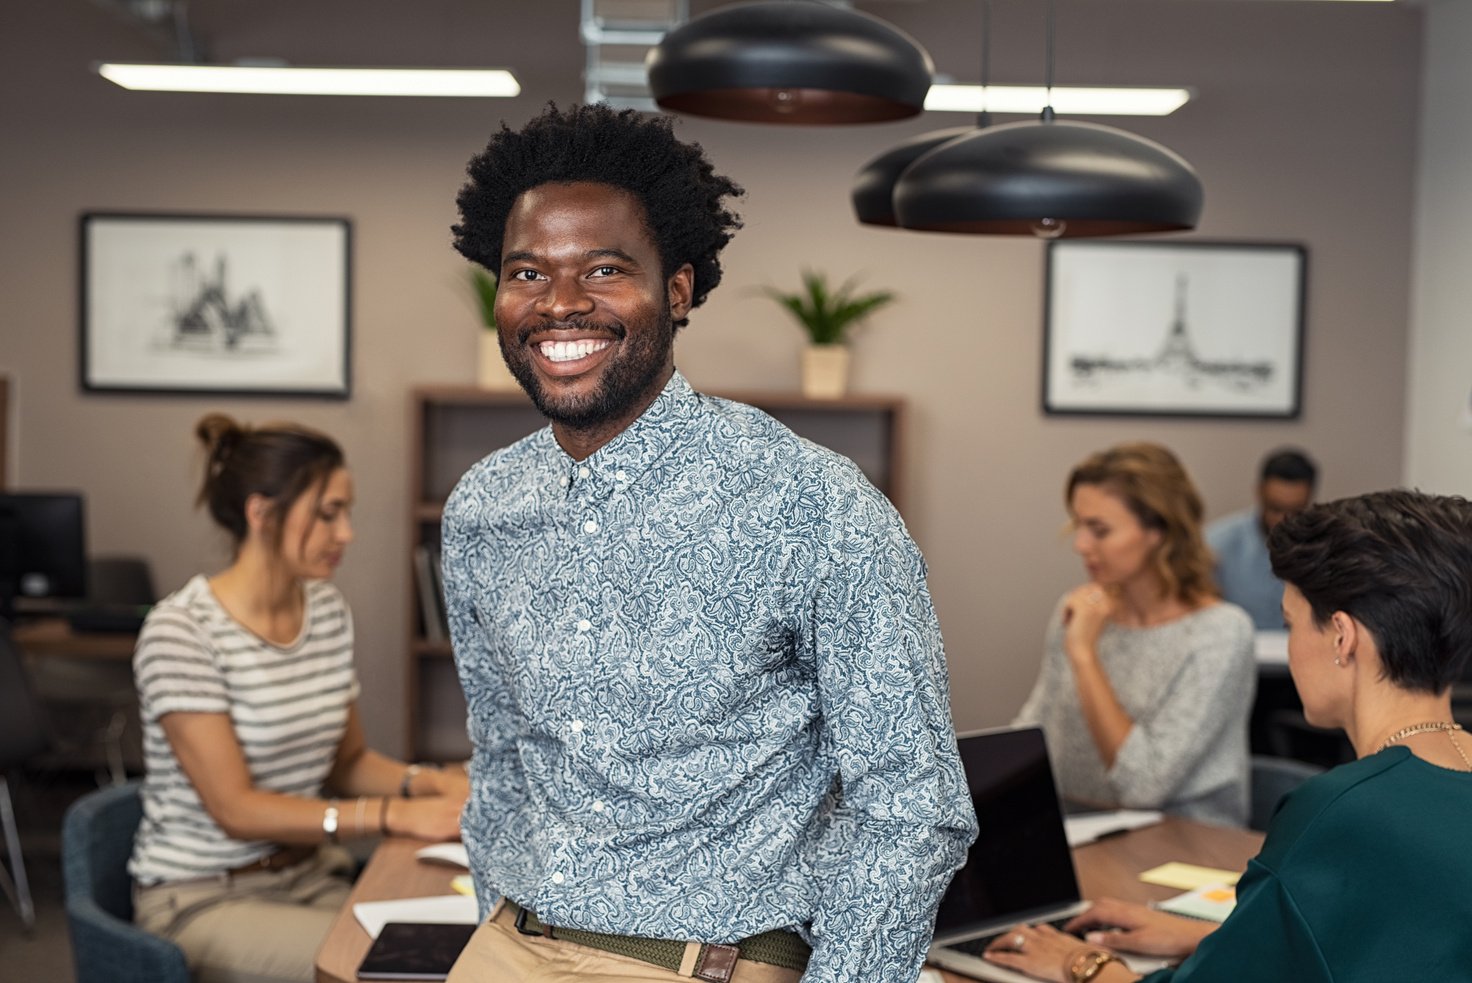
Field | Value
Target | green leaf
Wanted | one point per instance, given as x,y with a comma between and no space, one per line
484,286
826,314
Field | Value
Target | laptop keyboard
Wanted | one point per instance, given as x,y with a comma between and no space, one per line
976,947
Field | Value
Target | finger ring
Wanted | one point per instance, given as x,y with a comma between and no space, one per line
1017,941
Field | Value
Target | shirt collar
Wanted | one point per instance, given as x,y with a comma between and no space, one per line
660,427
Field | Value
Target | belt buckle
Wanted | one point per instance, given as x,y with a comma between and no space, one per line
543,932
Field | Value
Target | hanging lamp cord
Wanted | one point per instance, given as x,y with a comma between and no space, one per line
984,118
1048,92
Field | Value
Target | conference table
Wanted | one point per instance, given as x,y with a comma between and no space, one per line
1110,866
53,636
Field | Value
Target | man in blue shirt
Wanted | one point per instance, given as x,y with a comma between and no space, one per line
1243,573
706,688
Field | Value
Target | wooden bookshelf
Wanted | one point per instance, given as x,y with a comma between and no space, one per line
455,426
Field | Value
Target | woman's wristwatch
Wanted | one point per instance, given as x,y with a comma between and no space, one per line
329,822
1089,964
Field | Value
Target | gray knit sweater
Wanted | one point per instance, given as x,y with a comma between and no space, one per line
1188,686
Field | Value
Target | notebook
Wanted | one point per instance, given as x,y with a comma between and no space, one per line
1020,868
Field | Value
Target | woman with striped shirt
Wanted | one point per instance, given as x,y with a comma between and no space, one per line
255,760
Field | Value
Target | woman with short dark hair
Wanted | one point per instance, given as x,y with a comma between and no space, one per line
1365,871
249,703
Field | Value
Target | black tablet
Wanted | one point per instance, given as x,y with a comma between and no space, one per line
414,951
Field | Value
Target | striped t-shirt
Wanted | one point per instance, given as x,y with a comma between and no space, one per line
288,705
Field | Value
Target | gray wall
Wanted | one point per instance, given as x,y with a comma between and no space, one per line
1439,397
1303,130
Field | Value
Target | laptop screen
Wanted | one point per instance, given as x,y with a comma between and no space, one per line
1020,859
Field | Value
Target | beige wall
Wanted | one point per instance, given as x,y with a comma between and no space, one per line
1303,130
1439,396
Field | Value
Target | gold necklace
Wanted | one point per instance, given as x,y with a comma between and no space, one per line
1448,726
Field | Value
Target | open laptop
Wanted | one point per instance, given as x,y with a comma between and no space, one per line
1020,868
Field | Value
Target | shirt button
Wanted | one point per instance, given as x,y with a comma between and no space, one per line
576,726
584,625
590,526
557,878
583,472
598,806
562,481
620,476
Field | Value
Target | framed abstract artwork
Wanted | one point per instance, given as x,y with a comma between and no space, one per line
1141,328
216,304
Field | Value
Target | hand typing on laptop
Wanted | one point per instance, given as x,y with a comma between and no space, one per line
1131,927
1045,953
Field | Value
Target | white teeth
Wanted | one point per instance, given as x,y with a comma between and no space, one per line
567,351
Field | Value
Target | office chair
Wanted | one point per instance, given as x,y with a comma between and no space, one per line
23,735
96,841
1272,779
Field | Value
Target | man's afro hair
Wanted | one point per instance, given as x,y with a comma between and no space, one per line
681,193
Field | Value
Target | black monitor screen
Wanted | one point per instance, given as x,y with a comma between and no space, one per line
42,546
1020,861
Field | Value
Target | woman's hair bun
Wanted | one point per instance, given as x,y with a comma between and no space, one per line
219,434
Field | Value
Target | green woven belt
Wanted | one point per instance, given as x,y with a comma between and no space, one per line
778,947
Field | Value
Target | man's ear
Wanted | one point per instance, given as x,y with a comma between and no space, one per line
681,290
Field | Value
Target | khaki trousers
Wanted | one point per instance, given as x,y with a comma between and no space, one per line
262,927
498,953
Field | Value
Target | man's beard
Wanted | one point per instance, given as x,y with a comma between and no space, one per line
626,380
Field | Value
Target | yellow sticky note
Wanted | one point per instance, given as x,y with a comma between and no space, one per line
1187,877
462,884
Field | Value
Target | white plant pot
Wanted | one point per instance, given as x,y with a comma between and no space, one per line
491,371
825,371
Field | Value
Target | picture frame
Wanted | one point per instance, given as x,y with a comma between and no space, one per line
1184,329
216,304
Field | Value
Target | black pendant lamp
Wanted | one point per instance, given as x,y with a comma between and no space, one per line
873,190
1051,179
789,61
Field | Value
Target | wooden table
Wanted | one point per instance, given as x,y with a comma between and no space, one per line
1108,867
54,637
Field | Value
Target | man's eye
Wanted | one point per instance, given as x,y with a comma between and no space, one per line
524,275
606,271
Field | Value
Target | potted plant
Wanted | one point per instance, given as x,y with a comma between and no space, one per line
827,314
492,372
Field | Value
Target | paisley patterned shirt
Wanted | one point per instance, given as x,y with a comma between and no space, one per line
706,691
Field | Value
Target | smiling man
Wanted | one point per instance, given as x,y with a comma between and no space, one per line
706,688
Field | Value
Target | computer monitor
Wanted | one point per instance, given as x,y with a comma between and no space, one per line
43,551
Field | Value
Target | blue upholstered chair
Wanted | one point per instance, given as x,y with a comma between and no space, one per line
96,841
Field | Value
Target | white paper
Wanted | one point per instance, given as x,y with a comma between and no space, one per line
930,976
445,853
451,908
1089,827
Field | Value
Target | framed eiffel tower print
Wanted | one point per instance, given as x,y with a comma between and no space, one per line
1201,329
215,304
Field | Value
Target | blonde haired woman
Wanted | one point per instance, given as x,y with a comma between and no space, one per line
1147,676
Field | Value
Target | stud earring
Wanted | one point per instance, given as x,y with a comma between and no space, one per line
1338,661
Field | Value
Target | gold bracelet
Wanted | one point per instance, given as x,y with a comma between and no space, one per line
358,814
1089,964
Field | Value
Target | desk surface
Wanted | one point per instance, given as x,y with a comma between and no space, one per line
53,636
1108,867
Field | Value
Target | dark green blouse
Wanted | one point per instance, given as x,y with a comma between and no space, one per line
1365,877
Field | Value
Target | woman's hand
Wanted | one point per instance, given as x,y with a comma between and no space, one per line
1132,927
1085,613
426,817
449,782
1040,951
